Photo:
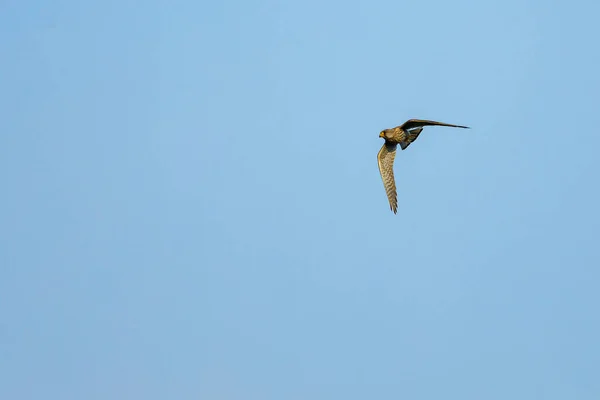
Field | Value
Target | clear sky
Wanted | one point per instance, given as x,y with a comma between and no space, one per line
191,206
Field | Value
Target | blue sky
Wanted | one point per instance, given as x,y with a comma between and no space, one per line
191,205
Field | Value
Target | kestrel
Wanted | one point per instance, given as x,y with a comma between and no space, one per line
402,135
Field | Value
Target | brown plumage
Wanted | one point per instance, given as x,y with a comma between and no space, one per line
402,135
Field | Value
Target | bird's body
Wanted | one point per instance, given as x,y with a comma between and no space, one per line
402,135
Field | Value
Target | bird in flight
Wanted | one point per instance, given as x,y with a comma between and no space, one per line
402,135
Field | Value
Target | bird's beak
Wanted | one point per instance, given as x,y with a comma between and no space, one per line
381,134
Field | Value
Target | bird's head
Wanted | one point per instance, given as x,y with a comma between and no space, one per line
383,134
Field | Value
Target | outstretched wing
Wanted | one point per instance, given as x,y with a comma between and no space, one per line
419,123
385,159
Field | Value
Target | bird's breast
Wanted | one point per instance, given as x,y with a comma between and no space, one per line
399,135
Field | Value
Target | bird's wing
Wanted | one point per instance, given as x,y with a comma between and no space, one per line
419,123
385,159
